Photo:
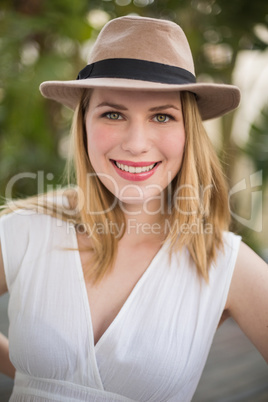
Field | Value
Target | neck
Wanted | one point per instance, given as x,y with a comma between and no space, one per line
144,224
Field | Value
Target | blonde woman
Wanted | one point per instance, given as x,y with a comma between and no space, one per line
118,285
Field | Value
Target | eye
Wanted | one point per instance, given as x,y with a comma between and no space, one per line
113,116
162,118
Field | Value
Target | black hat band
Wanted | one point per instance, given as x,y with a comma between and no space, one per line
135,69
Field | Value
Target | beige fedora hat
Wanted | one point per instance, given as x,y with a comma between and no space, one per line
140,53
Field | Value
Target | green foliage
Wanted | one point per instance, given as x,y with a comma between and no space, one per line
39,41
257,145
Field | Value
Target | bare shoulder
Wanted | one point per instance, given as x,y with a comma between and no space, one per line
251,271
3,284
248,297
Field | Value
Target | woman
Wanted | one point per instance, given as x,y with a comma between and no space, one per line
118,285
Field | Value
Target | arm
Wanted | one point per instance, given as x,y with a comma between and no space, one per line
6,366
3,284
248,298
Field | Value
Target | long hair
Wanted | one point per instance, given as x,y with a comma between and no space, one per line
198,210
200,207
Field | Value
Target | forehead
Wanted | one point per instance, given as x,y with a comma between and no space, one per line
117,96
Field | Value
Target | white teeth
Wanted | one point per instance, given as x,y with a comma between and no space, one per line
132,169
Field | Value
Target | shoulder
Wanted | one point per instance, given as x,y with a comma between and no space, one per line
27,238
247,301
41,209
23,225
21,221
224,264
248,258
250,273
231,246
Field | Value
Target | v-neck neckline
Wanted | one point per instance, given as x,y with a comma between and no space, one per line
130,297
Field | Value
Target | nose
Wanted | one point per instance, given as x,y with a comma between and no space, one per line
136,139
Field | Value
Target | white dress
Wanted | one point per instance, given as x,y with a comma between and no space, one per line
154,350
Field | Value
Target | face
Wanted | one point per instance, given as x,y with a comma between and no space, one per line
135,142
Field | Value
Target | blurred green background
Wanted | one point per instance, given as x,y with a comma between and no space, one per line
50,40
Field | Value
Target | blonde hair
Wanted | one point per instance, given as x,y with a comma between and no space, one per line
207,208
200,184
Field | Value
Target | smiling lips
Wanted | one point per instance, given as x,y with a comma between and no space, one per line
135,171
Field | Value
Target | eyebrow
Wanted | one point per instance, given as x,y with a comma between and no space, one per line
153,109
162,107
112,105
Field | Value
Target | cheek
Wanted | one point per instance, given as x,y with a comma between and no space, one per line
173,146
100,141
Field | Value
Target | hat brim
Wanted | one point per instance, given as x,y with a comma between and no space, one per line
214,100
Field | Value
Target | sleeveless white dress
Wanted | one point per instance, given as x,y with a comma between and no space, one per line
154,350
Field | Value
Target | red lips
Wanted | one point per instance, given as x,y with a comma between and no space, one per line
132,176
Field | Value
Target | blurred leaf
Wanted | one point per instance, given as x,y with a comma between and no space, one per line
257,145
